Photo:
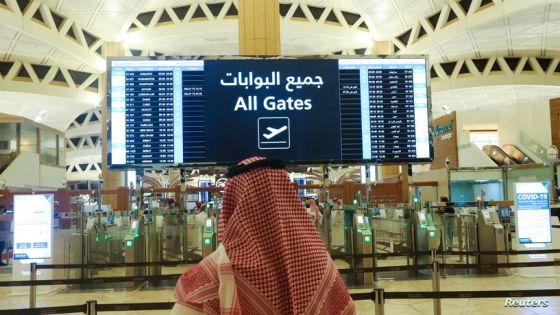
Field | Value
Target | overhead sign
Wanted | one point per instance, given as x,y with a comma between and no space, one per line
306,110
532,201
33,216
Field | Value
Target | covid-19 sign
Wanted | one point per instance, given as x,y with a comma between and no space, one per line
532,201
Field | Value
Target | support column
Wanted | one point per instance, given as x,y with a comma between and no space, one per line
111,179
383,48
259,27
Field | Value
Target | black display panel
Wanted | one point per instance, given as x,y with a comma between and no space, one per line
178,111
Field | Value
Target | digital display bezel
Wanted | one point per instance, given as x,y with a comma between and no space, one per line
288,161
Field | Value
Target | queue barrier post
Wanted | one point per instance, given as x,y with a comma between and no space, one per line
33,286
91,307
436,286
379,300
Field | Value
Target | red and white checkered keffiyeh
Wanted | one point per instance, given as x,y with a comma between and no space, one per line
271,259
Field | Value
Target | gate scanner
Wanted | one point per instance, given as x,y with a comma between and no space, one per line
363,244
425,238
209,237
134,249
491,237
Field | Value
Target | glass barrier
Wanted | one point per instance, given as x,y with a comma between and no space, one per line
532,146
467,185
532,174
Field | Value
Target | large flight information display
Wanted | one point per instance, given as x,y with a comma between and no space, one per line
220,111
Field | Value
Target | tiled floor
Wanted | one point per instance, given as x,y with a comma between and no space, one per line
60,295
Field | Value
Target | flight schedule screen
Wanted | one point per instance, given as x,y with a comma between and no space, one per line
302,110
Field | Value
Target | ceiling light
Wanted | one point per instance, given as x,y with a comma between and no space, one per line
40,115
94,99
131,39
364,38
101,65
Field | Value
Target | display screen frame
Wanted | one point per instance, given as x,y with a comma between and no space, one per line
533,220
130,166
33,226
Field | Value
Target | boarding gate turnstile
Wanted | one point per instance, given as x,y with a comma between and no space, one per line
134,250
191,237
336,231
491,237
363,244
209,237
425,238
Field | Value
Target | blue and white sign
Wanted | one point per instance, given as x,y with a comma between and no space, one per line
532,201
33,216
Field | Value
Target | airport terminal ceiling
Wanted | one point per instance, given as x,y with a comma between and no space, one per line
54,47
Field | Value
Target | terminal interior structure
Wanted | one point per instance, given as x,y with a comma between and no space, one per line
452,224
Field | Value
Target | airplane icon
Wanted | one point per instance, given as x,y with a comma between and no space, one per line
274,132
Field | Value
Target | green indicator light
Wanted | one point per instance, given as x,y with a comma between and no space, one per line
207,241
355,201
128,243
423,226
432,233
367,239
97,238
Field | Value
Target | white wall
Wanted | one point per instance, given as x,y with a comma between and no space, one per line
472,156
440,176
532,118
51,176
25,171
474,119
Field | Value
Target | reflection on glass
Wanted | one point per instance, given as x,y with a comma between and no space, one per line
48,154
28,138
470,190
61,151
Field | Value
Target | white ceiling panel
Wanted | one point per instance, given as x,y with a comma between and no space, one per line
391,27
491,97
132,4
29,46
419,7
6,37
434,55
91,5
411,19
382,6
553,42
82,19
74,6
103,24
380,17
526,31
114,6
61,58
59,111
